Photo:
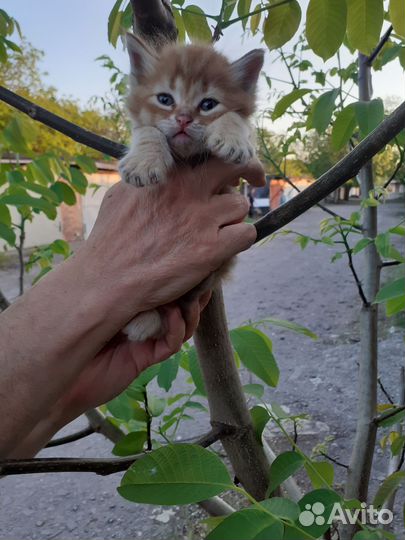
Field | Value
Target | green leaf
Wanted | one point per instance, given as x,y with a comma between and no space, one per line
19,133
121,408
64,192
42,190
196,24
364,23
156,405
343,127
281,24
397,16
256,390
5,216
326,26
282,508
175,474
394,289
79,181
133,443
289,325
247,524
389,418
388,487
286,101
321,473
322,110
23,199
260,417
369,115
243,9
367,534
61,247
386,249
7,234
86,163
255,352
285,465
114,23
361,244
15,177
229,9
168,372
395,305
178,19
195,370
255,20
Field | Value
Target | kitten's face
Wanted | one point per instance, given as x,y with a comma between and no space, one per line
186,88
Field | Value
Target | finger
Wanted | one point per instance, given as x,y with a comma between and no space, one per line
174,337
191,314
236,238
254,173
213,175
229,208
204,299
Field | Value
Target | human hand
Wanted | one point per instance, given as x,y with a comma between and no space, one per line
150,246
121,361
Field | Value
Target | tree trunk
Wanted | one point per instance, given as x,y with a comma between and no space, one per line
226,398
366,429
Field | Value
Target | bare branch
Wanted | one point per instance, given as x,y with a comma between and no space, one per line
102,467
94,465
381,43
71,438
333,460
348,249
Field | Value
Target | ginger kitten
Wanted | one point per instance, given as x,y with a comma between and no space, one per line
185,101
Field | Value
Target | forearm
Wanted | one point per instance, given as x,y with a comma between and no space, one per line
38,437
47,338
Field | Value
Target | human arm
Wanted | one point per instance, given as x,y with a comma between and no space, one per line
146,249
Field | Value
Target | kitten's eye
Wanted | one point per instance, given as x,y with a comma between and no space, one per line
165,99
208,104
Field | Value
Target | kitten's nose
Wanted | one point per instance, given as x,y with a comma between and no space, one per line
184,119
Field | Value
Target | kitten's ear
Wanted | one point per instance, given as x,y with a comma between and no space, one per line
141,56
247,69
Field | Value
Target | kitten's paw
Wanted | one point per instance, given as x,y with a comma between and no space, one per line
139,172
146,325
231,148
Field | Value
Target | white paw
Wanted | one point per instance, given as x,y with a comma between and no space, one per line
146,325
139,171
232,148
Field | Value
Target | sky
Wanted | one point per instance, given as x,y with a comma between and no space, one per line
72,33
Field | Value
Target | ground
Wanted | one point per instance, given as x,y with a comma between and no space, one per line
319,378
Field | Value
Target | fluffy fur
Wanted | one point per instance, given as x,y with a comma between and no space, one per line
185,101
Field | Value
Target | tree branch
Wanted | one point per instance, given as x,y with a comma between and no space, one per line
93,465
71,438
344,170
78,134
356,278
381,43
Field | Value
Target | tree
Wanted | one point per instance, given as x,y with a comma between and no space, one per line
240,430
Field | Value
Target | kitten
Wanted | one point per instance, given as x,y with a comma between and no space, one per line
185,101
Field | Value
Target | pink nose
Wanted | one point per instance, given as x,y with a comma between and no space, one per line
183,120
